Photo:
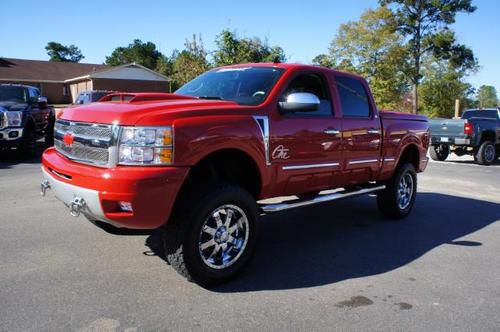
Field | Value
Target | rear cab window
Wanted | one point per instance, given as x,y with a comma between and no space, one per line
491,114
354,98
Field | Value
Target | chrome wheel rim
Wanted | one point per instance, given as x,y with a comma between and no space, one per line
223,236
489,153
405,191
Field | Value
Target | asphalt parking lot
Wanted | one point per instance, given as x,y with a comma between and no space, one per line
334,267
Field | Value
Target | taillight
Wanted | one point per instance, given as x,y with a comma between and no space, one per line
468,129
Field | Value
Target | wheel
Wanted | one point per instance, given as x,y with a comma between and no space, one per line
28,142
439,152
49,135
486,153
211,239
396,201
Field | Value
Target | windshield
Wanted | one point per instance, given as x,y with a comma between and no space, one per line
13,93
492,114
243,85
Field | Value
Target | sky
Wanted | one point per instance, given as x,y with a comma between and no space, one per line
303,28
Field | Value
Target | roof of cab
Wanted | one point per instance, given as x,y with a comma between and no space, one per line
287,66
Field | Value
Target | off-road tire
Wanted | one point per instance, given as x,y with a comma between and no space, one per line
181,234
27,147
486,153
439,152
387,199
49,135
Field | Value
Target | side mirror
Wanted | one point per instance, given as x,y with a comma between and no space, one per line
300,102
42,102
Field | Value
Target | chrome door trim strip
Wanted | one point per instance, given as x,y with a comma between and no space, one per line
263,124
389,159
366,161
293,167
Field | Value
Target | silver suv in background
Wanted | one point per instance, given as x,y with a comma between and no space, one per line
91,96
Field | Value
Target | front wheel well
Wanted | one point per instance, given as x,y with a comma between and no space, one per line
230,166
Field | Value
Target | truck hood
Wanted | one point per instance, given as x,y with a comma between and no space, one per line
144,113
12,106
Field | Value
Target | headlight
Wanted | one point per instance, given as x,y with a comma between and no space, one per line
13,118
146,146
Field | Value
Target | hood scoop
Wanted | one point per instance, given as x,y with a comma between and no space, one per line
134,97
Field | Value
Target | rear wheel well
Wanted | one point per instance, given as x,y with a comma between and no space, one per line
488,136
410,155
230,166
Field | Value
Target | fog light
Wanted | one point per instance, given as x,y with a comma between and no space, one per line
126,206
13,134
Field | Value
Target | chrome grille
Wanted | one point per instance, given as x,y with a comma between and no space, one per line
92,143
2,119
82,152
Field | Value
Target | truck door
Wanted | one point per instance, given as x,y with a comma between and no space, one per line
361,130
306,146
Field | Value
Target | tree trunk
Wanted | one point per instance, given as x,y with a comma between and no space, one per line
415,98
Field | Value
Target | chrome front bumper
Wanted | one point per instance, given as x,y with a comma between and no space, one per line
79,200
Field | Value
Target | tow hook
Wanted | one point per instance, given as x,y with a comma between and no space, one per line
76,206
44,185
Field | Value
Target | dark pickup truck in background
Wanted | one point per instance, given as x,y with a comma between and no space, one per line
477,133
24,118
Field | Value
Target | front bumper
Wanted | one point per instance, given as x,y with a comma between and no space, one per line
151,190
10,137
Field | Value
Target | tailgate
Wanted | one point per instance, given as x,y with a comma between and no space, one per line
447,128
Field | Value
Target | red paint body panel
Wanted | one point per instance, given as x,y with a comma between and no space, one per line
152,190
202,127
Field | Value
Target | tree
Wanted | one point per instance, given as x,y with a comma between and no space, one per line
59,52
371,48
425,23
233,50
441,86
141,53
190,62
487,96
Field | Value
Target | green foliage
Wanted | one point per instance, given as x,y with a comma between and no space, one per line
141,53
425,26
233,50
441,86
371,48
59,52
190,62
487,96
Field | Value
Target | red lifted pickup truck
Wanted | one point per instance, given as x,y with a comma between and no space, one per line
198,162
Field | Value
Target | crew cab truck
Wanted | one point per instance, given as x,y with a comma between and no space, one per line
477,133
200,161
24,118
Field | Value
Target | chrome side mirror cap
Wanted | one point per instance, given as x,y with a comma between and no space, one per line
300,102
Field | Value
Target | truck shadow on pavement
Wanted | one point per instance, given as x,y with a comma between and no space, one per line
10,158
349,239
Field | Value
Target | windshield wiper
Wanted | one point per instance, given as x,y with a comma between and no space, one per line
210,97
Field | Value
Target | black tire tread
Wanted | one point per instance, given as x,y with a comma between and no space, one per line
386,199
177,228
437,156
479,157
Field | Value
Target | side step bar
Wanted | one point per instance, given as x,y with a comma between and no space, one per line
277,207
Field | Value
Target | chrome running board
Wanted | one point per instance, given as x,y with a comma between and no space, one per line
282,206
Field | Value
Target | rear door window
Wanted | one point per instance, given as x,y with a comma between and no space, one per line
353,97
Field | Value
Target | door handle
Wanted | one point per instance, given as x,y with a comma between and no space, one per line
373,131
331,131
